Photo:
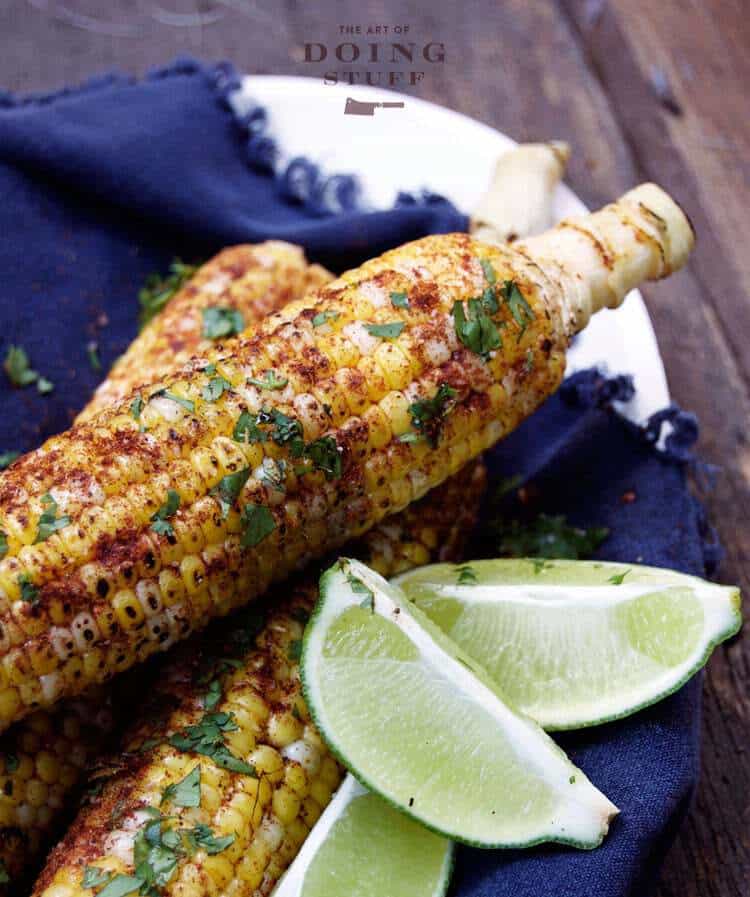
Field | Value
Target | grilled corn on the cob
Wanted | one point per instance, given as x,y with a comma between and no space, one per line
41,759
189,498
226,750
44,757
232,292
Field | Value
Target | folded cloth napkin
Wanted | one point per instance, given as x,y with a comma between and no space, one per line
104,184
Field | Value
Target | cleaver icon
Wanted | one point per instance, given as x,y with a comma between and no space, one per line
356,107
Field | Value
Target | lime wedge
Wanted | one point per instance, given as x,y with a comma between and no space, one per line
423,726
362,847
576,643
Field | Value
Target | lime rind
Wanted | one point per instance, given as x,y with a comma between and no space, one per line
571,810
575,589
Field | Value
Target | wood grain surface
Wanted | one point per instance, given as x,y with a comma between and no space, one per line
640,90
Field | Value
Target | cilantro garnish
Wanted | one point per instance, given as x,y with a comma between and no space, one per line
17,367
258,524
158,289
520,310
120,885
29,592
186,792
160,519
427,415
136,406
187,404
617,579
215,388
466,575
270,381
220,322
489,271
399,300
228,488
49,522
7,458
475,328
3,543
207,738
95,878
385,331
213,695
548,537
92,353
20,373
285,429
294,651
323,317
247,430
11,762
325,455
201,836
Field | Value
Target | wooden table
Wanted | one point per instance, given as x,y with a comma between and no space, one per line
640,90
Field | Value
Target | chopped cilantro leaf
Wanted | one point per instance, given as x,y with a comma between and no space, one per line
11,762
207,738
489,271
3,543
29,592
120,885
399,300
617,579
7,458
258,523
136,406
158,289
466,575
385,331
44,386
325,455
212,697
427,415
17,367
95,878
547,537
247,430
228,488
520,310
273,474
160,519
220,322
270,381
323,317
215,388
49,522
285,429
186,792
475,328
294,651
92,353
359,588
187,404
201,836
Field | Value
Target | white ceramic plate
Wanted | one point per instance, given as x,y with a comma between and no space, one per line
428,146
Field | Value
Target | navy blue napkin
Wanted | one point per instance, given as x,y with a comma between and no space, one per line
104,184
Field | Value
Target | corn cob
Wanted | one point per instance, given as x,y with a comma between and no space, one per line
181,503
265,809
253,280
42,758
